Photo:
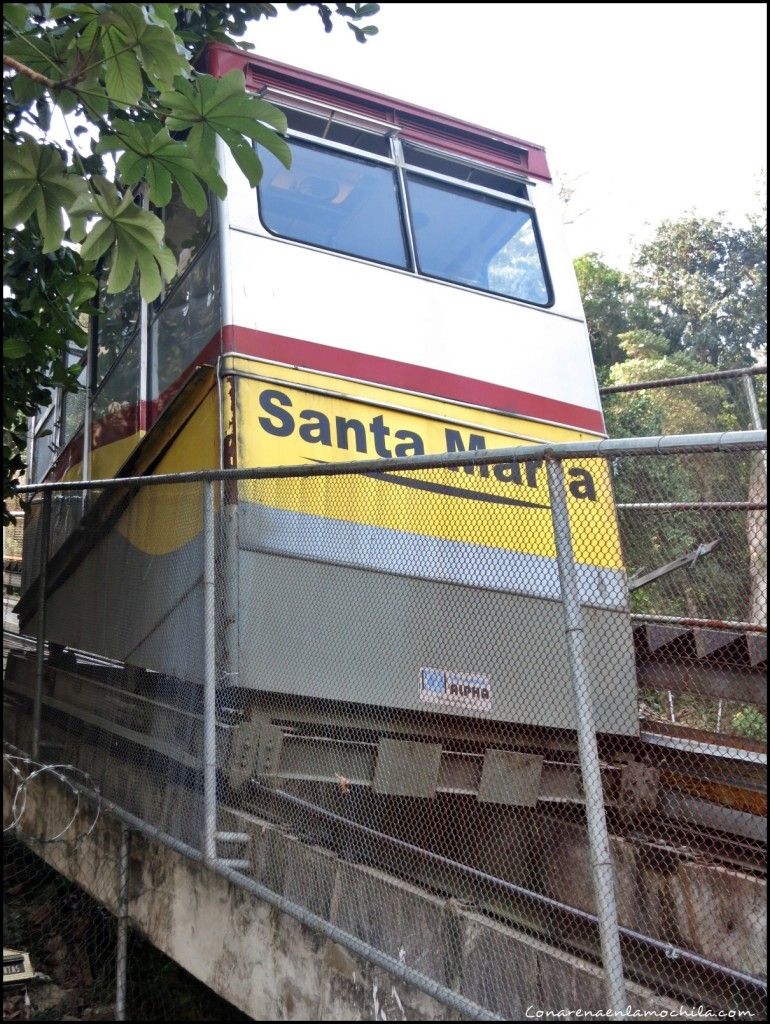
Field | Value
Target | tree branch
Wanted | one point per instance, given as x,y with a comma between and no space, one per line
22,69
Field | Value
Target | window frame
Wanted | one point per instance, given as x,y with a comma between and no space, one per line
401,166
513,205
363,157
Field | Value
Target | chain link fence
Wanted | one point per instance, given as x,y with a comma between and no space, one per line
495,723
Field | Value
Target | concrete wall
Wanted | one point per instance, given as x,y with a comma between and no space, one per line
274,968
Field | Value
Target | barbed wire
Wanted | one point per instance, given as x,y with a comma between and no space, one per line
26,770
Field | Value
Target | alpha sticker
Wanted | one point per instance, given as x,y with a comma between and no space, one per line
455,689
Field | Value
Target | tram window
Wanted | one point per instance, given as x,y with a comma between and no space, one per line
190,318
476,240
43,448
186,231
118,321
334,201
116,406
328,128
430,161
74,402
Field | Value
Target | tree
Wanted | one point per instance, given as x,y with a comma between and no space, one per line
611,307
698,304
124,76
700,284
694,301
704,282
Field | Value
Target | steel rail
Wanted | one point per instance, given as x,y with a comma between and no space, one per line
671,950
692,378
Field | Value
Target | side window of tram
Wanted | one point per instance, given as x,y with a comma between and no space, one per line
335,201
118,321
185,231
476,240
73,403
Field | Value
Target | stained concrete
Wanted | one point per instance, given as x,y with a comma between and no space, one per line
274,968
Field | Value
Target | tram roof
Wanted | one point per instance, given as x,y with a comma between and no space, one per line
415,124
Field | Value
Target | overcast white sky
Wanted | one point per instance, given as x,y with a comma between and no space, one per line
649,110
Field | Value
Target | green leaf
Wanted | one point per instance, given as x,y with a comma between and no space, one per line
95,100
209,107
100,238
35,178
128,19
16,15
165,13
122,74
83,287
201,143
14,348
66,100
160,160
161,185
135,236
245,155
274,143
25,91
151,40
149,275
123,263
157,50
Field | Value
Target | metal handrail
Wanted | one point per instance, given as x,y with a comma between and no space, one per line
676,444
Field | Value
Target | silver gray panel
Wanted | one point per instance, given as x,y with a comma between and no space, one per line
341,633
262,528
509,777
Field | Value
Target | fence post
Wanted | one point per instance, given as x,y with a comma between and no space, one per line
210,678
598,838
37,707
756,419
122,945
751,398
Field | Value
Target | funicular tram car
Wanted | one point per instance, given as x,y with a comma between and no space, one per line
403,289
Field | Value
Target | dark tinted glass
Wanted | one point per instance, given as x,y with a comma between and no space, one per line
334,201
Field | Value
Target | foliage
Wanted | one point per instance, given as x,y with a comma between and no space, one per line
750,722
699,286
611,307
705,283
693,302
125,75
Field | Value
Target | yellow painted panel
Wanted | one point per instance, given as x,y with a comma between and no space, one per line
107,460
164,518
303,421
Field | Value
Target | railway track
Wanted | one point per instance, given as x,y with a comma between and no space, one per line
277,762
650,782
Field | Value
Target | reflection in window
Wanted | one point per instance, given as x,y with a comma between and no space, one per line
74,408
186,231
476,240
118,320
43,448
116,407
187,322
335,201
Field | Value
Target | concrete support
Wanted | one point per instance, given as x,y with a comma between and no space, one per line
274,967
